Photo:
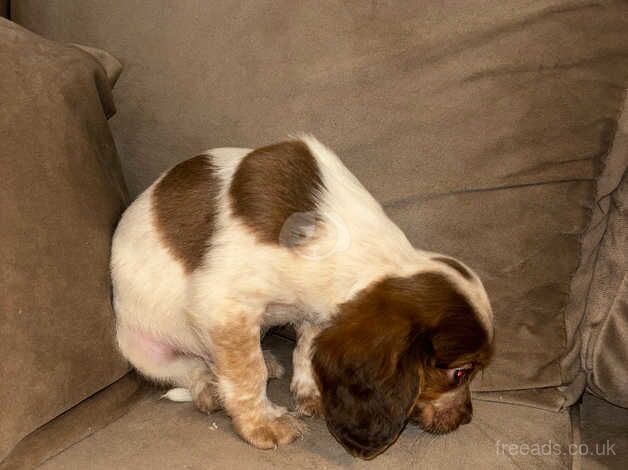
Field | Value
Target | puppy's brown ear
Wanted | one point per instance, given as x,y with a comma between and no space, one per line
366,365
459,336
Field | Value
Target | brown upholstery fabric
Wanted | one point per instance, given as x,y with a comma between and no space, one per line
78,423
605,352
157,434
596,312
481,125
605,329
604,433
61,195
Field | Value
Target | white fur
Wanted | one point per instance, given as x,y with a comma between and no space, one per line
178,394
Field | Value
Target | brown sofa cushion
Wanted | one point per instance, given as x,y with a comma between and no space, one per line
481,125
160,435
605,329
61,195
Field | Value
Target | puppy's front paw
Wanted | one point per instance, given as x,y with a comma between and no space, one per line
309,405
270,432
306,396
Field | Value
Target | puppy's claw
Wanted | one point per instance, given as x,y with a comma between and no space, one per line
309,406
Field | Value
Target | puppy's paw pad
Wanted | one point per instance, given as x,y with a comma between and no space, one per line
278,431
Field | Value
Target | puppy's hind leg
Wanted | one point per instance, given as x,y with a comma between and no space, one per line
157,360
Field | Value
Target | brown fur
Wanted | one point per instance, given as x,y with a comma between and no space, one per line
381,354
184,206
273,184
204,385
204,391
239,361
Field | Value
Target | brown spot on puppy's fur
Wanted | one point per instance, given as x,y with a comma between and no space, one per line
184,207
374,360
273,184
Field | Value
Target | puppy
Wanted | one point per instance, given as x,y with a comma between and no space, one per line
234,241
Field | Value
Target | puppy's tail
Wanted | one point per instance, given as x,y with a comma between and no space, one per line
178,395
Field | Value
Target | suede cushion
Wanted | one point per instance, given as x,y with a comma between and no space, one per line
61,195
603,429
481,125
162,435
76,424
605,352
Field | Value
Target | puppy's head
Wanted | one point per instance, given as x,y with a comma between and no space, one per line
405,348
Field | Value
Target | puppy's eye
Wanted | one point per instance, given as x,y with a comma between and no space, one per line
460,375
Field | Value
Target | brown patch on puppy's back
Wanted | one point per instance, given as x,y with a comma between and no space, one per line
184,206
273,183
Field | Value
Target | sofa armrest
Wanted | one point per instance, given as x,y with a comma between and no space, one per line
61,195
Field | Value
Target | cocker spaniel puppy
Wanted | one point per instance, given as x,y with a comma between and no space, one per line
234,241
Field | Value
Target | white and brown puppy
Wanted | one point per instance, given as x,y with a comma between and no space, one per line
233,241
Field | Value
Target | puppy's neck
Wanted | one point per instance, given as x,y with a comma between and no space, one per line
367,260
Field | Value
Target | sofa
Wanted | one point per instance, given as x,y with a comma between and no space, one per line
492,131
